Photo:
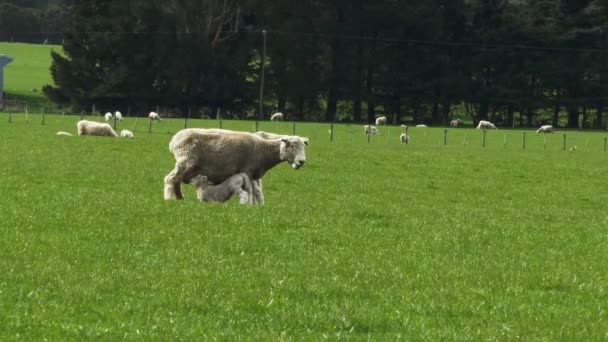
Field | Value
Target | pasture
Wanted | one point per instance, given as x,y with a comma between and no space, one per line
373,240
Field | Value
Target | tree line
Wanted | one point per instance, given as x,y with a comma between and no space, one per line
513,62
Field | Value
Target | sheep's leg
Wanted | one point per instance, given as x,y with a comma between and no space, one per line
258,195
173,190
243,197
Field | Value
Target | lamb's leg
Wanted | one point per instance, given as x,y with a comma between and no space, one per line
243,197
258,196
173,190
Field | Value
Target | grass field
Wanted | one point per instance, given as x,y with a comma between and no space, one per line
370,241
30,69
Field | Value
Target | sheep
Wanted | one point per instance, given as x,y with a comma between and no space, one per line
219,154
239,185
485,125
421,126
125,133
64,133
367,129
277,117
545,129
154,116
86,127
108,116
404,138
118,115
403,126
455,123
381,121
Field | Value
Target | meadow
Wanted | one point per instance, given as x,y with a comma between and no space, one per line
369,240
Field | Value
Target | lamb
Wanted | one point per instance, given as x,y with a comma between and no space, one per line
404,138
154,116
421,126
367,129
219,154
239,185
455,123
86,127
125,133
64,133
118,115
381,121
108,116
485,125
277,117
545,129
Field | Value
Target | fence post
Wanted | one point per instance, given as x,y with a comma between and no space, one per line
81,114
483,144
564,148
135,125
464,142
10,116
293,128
524,143
445,137
605,142
149,125
257,125
221,124
43,113
408,137
62,115
544,141
504,141
331,132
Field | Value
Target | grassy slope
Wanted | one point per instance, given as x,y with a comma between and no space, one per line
29,69
375,240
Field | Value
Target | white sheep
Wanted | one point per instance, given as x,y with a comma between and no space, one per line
403,126
86,127
404,138
125,133
381,121
277,117
455,123
154,116
219,154
367,129
485,125
118,115
239,185
545,129
64,133
108,116
421,126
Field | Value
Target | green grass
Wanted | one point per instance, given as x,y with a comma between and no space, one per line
30,69
370,241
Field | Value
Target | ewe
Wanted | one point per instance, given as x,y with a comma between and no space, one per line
367,129
125,133
381,121
404,138
277,117
86,127
118,115
485,125
219,154
455,123
545,129
154,116
108,116
239,185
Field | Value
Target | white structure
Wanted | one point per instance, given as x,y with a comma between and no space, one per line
125,133
404,138
485,125
118,115
239,185
277,117
367,129
154,116
219,154
381,121
545,129
86,127
108,116
455,123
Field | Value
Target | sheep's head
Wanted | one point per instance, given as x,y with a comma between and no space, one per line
199,181
293,150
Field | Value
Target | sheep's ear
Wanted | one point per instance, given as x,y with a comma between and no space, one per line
306,141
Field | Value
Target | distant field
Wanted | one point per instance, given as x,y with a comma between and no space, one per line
373,241
29,70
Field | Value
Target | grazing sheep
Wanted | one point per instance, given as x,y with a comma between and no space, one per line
455,123
118,115
125,133
86,127
108,116
404,138
64,133
421,126
219,154
239,185
403,126
381,121
154,116
367,129
277,117
545,129
485,125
